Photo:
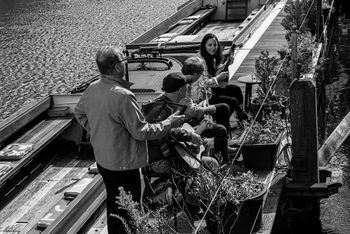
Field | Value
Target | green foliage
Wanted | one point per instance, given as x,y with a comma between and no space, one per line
305,49
265,71
266,132
223,190
296,12
141,219
233,188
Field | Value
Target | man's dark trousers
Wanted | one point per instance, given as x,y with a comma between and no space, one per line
131,182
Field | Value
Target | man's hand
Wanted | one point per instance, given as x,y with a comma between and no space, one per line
176,119
196,139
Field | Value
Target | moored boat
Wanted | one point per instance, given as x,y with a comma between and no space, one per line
30,181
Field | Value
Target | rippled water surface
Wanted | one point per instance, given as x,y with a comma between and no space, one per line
335,211
48,46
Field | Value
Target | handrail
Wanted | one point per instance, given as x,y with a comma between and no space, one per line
166,61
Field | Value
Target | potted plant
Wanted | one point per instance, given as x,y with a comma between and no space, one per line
266,68
235,200
145,221
260,146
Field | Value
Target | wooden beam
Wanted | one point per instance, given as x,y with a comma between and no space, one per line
20,118
78,211
334,141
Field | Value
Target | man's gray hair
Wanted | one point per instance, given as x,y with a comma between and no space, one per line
106,59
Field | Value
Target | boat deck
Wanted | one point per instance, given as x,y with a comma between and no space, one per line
225,31
270,35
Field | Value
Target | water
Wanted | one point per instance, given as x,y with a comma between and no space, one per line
335,211
49,46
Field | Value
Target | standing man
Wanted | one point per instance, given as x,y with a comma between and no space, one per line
108,110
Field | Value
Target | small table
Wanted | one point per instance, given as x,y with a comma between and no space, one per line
248,80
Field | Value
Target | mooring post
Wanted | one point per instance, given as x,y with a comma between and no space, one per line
303,110
304,164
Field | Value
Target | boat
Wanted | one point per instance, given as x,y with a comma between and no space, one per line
54,187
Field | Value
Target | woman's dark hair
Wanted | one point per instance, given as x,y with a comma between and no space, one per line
212,68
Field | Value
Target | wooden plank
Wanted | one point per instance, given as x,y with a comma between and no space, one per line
49,200
52,214
203,13
63,161
53,128
79,208
334,141
271,203
12,229
19,119
100,224
272,39
34,198
164,26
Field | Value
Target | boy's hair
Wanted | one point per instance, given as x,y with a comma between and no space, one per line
192,65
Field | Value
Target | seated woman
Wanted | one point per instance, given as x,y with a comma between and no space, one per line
214,80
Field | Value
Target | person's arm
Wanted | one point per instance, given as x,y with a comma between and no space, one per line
209,109
134,121
209,81
182,135
192,110
80,115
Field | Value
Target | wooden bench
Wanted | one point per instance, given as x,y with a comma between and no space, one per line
40,135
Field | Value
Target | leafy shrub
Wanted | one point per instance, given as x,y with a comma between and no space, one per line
265,70
267,131
140,219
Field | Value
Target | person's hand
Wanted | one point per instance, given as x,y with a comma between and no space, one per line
176,119
240,45
223,76
196,139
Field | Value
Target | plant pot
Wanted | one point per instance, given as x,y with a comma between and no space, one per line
260,157
228,216
279,104
250,215
245,218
